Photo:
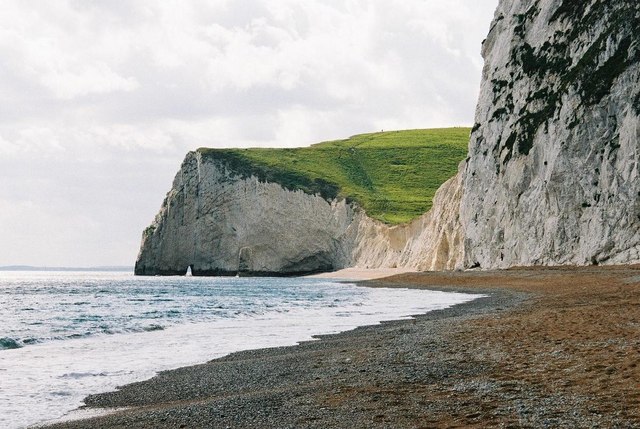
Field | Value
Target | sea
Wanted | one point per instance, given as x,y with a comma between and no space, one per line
65,335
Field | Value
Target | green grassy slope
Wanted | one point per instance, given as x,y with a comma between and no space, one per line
392,175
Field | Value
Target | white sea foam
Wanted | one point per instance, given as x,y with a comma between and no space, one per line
44,381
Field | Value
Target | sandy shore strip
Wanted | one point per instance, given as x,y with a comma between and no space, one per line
549,347
356,274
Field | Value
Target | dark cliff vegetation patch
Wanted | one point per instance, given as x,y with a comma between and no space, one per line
570,9
499,87
392,175
596,81
523,19
239,163
149,230
498,114
553,72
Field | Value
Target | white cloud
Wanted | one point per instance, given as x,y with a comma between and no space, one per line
8,148
103,87
57,47
91,79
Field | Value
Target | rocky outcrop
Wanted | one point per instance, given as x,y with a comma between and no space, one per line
435,241
552,174
219,222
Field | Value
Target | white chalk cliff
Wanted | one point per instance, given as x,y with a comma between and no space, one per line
552,174
220,222
551,177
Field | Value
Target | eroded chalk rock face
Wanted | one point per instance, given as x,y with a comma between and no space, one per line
218,222
429,243
552,175
435,242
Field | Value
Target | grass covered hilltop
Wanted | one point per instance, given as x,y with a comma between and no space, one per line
392,175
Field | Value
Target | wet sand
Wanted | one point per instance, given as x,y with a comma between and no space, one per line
359,274
549,347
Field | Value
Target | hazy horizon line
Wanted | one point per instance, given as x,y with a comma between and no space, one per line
48,268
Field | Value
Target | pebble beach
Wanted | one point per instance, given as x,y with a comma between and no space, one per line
547,347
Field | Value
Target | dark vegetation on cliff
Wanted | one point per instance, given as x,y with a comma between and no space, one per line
392,175
556,71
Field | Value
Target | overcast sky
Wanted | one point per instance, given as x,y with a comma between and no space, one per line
102,99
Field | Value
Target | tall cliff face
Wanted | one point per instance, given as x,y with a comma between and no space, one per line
552,174
219,222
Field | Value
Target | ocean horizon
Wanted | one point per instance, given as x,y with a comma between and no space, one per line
109,268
